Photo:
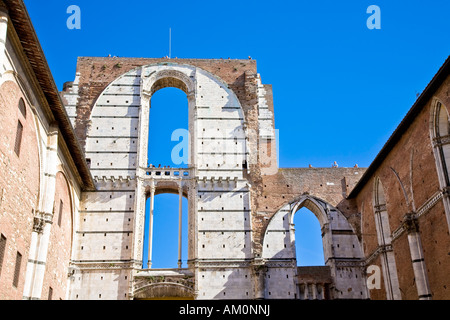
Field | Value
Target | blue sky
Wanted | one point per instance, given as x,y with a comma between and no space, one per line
339,88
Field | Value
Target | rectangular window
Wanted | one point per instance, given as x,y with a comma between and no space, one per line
17,269
2,250
61,205
50,293
18,138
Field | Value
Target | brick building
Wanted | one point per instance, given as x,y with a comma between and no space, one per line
43,169
75,181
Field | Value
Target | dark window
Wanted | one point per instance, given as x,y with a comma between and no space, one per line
22,108
17,270
18,138
61,206
50,293
2,250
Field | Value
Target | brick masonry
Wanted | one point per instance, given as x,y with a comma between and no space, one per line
413,160
19,183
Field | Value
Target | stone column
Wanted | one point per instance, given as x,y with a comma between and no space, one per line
446,201
314,291
144,118
40,238
192,157
180,223
3,33
411,226
150,224
259,285
318,291
139,224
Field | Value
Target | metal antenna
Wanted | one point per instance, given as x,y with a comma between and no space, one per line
170,43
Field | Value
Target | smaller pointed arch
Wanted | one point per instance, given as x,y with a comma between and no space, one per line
384,237
440,133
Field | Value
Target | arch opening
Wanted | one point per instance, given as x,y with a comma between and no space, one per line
441,136
308,239
168,140
169,82
165,232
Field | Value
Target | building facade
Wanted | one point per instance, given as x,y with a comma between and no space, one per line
76,179
43,171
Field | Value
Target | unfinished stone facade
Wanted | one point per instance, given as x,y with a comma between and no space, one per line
241,205
75,180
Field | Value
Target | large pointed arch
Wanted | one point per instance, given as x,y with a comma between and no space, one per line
342,250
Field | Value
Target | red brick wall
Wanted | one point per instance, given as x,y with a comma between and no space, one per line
413,159
59,250
19,184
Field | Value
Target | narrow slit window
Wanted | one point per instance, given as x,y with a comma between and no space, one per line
61,206
17,270
22,108
18,142
2,250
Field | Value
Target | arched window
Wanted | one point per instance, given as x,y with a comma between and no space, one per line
381,216
441,141
19,130
22,108
168,128
168,146
308,239
440,134
18,141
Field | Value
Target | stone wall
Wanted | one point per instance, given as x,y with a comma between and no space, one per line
234,187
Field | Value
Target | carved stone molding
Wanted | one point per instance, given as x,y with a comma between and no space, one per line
430,203
380,208
38,223
410,223
163,283
377,252
350,264
165,78
112,265
441,141
222,264
40,219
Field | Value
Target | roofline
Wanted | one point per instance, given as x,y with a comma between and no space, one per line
23,26
173,59
423,99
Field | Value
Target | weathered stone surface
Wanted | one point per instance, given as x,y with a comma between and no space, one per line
75,241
